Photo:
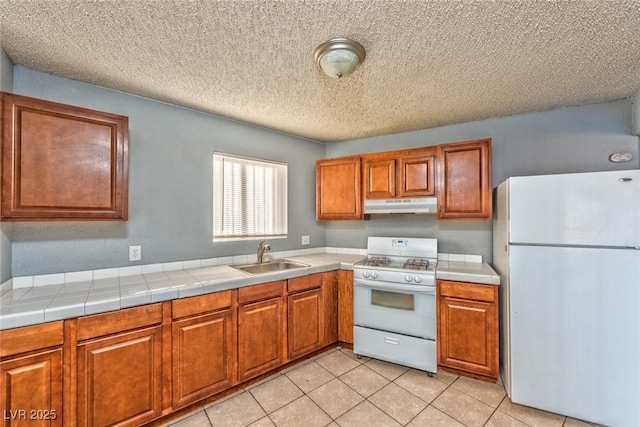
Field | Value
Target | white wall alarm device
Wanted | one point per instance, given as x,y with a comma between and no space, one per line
620,157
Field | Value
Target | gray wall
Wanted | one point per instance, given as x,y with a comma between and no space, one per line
6,85
170,185
170,178
572,139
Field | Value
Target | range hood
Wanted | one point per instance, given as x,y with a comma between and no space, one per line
423,205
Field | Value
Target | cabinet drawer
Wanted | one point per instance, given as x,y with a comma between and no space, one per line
99,325
200,304
395,348
30,338
260,292
305,282
487,293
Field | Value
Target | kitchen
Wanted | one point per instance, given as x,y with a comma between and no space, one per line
169,183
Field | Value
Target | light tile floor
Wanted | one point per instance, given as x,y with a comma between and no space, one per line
336,389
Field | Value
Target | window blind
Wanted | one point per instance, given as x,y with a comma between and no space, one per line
249,198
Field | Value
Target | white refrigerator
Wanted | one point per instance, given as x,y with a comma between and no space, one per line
567,248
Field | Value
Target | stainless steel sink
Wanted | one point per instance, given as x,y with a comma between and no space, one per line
269,266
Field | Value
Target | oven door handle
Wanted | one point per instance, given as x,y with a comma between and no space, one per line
397,287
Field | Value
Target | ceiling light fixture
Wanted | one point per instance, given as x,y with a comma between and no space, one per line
339,57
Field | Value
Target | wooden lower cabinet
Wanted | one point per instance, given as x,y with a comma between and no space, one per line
330,302
306,322
202,357
31,390
468,328
261,329
31,376
305,314
133,366
119,379
345,306
119,359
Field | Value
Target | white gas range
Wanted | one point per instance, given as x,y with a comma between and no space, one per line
395,302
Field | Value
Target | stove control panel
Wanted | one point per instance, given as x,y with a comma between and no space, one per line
411,278
394,276
370,274
399,243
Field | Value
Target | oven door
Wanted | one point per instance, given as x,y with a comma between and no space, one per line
395,307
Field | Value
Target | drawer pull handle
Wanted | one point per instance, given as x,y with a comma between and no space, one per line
394,341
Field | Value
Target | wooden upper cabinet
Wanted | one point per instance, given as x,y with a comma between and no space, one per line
464,180
379,178
417,175
397,174
338,189
61,162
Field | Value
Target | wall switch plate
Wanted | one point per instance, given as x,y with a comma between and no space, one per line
135,253
305,240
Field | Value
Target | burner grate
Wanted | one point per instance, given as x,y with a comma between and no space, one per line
377,261
416,264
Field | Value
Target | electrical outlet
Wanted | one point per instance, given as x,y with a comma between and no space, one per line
135,253
305,240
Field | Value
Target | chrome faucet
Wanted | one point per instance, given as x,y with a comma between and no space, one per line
262,248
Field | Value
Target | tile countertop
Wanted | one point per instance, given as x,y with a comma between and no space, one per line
38,304
47,303
466,268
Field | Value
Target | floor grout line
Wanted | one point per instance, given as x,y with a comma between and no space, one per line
444,381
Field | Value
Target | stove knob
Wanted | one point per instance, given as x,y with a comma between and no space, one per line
417,279
365,274
374,275
407,278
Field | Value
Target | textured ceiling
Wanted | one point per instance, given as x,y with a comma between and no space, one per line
429,62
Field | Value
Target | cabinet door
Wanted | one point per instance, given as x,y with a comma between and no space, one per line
345,306
31,390
261,337
379,178
306,322
120,379
417,176
338,189
330,302
61,162
202,356
468,328
464,180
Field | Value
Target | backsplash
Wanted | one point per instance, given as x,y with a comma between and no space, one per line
105,273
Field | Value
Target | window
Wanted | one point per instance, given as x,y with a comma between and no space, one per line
249,198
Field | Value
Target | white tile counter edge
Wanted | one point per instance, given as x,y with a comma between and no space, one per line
39,299
466,268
